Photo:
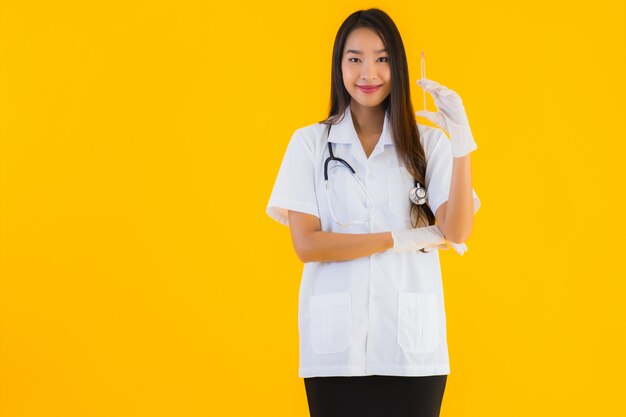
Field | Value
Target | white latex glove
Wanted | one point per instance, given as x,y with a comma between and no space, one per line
450,116
459,248
427,238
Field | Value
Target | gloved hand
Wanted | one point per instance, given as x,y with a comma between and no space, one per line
450,116
428,238
459,248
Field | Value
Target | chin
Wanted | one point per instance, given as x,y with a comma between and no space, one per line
368,103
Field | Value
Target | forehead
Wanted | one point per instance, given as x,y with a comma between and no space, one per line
364,40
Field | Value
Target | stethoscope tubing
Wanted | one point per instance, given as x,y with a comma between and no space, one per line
417,195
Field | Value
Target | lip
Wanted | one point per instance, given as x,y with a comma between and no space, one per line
369,88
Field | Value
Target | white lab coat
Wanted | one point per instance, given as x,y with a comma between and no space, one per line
376,315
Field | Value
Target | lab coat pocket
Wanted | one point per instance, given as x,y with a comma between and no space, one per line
418,330
399,183
331,322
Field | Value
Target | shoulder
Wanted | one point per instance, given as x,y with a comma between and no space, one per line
312,133
312,136
431,137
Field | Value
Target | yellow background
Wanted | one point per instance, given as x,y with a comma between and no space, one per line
139,143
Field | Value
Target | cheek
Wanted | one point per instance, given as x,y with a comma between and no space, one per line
344,74
347,73
348,83
386,74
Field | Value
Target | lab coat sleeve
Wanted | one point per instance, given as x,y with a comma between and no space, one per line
294,188
439,174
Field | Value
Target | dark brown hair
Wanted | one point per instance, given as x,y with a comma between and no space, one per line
397,104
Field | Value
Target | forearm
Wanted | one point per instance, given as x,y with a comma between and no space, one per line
329,246
459,218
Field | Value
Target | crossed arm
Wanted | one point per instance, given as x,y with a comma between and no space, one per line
455,219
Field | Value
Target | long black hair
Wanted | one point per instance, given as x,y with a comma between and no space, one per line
397,104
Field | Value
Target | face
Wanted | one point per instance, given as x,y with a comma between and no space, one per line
365,63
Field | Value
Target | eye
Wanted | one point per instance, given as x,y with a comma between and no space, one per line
383,57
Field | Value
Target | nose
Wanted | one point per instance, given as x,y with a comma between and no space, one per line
368,72
367,77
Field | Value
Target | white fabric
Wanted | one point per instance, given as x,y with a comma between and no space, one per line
376,315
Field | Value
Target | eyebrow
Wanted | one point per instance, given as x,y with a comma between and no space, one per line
354,51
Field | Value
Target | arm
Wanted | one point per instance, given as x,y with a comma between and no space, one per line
455,217
314,245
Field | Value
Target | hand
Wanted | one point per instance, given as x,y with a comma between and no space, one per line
450,116
428,238
459,248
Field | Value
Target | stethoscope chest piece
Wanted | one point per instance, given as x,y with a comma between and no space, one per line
418,194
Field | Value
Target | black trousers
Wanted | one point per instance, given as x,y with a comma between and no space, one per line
375,395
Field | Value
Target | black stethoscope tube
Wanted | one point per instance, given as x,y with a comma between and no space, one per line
417,195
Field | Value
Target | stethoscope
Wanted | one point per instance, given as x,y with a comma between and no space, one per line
417,194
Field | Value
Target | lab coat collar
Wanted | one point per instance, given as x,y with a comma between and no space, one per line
344,131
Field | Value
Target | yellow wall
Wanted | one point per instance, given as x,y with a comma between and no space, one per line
140,275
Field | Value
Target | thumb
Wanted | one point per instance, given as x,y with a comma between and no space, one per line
435,117
430,115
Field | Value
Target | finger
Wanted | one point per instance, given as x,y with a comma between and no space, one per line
435,88
428,85
428,115
437,118
441,246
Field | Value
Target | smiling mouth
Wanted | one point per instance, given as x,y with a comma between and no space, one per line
368,89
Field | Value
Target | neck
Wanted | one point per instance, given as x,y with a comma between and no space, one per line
367,120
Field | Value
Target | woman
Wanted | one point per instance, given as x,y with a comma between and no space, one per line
351,189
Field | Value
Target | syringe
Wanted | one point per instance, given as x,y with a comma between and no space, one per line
423,74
